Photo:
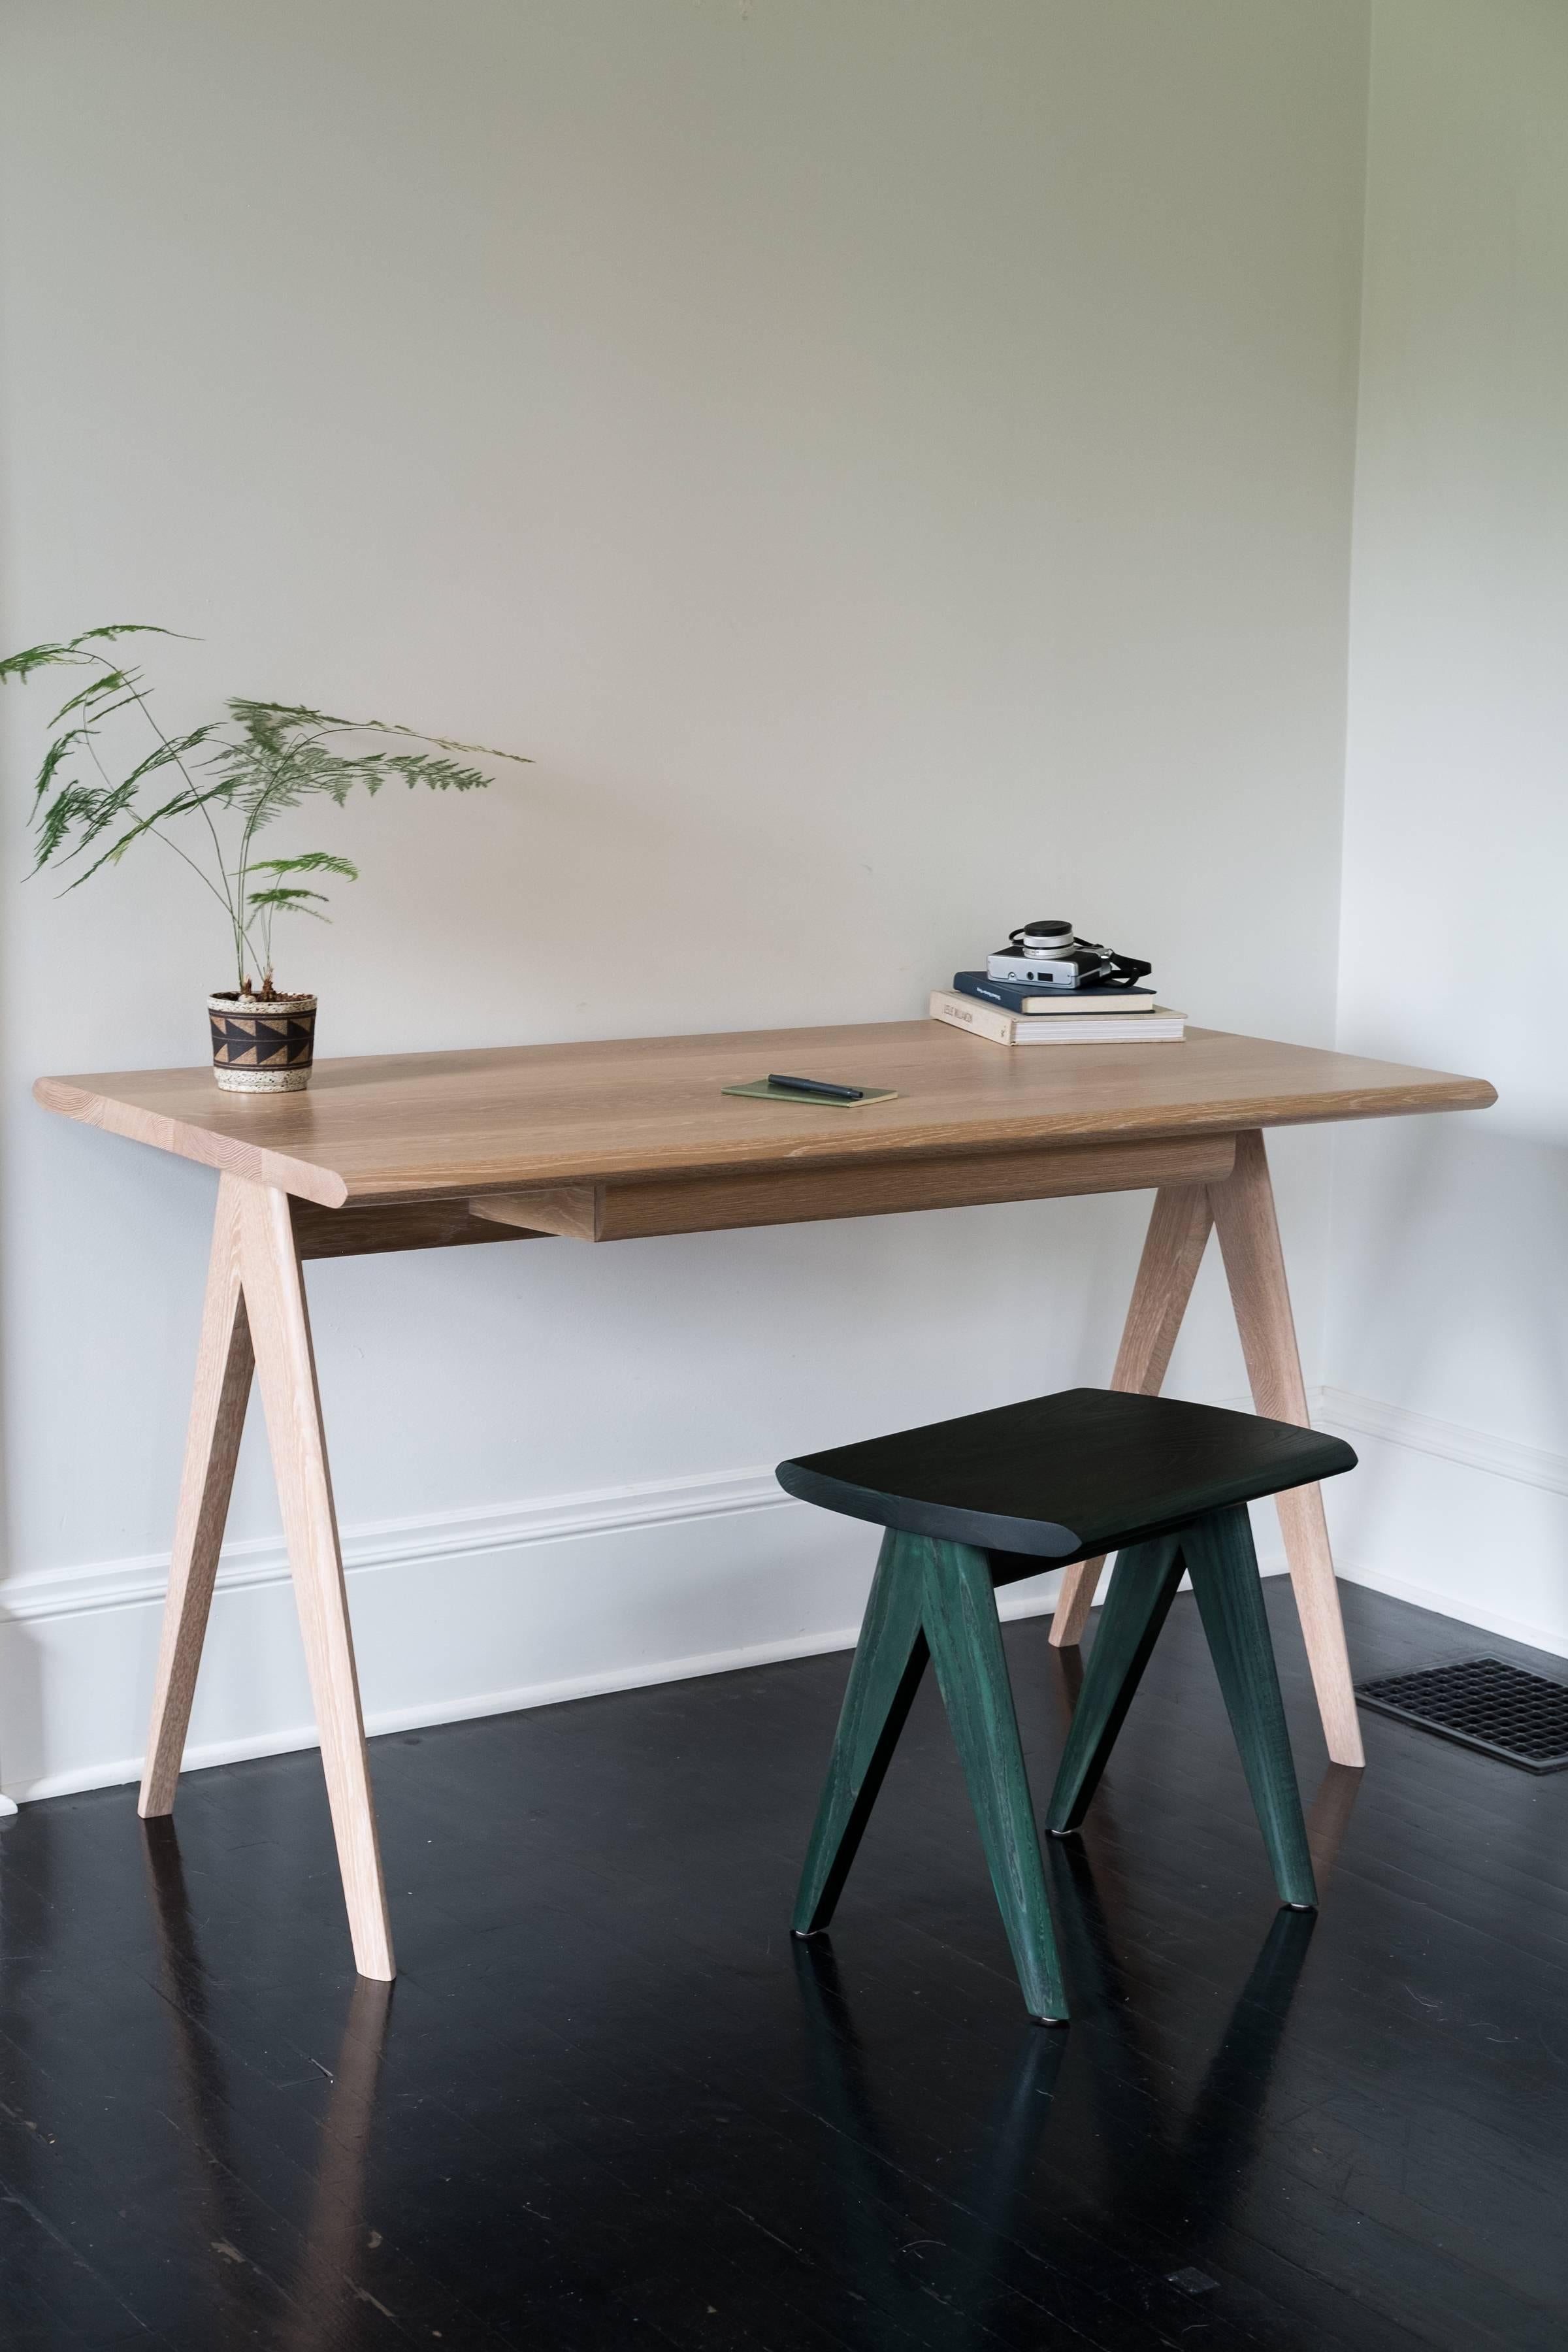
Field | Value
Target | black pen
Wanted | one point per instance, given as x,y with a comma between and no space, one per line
818,1087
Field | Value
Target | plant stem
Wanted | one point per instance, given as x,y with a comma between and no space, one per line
257,816
147,713
206,880
225,895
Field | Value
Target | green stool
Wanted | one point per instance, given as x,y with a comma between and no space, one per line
979,1502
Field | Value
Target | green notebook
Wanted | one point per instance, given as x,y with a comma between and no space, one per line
765,1093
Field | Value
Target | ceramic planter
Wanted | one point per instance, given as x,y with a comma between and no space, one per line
262,1045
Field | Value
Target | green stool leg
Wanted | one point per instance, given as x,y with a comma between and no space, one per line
1142,1587
960,1615
1224,1569
889,1659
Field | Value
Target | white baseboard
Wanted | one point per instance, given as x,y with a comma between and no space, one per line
725,1555
200,1755
1477,1613
384,1543
1477,1449
1477,1539
203,1755
492,1577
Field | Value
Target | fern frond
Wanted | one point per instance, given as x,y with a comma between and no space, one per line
271,719
313,861
169,753
84,809
109,709
130,629
475,751
181,804
22,666
108,681
440,775
57,750
288,902
273,715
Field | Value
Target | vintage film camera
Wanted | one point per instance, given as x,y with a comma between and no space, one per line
1046,954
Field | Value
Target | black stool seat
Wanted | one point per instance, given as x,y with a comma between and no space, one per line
1065,1478
972,1504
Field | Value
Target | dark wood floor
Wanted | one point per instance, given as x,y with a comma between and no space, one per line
608,2103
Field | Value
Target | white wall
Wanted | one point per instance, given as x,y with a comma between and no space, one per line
891,467
1448,1342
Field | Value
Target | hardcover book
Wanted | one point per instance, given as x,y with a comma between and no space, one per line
1015,997
1160,1027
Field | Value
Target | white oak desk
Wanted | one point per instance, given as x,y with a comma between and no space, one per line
603,1141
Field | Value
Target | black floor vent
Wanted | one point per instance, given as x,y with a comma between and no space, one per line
1481,1703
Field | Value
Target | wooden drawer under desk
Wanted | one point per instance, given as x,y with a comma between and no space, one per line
626,1210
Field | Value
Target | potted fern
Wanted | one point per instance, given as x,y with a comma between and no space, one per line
209,795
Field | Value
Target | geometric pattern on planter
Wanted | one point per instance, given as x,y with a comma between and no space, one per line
244,1038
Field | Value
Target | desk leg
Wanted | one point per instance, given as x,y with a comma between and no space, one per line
1254,1267
1241,1210
286,1374
1172,1252
224,1362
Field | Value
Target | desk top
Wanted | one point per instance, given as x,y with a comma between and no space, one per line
406,1127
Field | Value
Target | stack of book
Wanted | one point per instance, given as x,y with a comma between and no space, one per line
1013,1014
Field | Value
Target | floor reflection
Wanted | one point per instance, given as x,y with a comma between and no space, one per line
980,2222
1329,1816
1177,2162
333,2233
1177,2172
200,2090
326,2269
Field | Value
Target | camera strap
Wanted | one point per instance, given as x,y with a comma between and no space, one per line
1108,971
1113,970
